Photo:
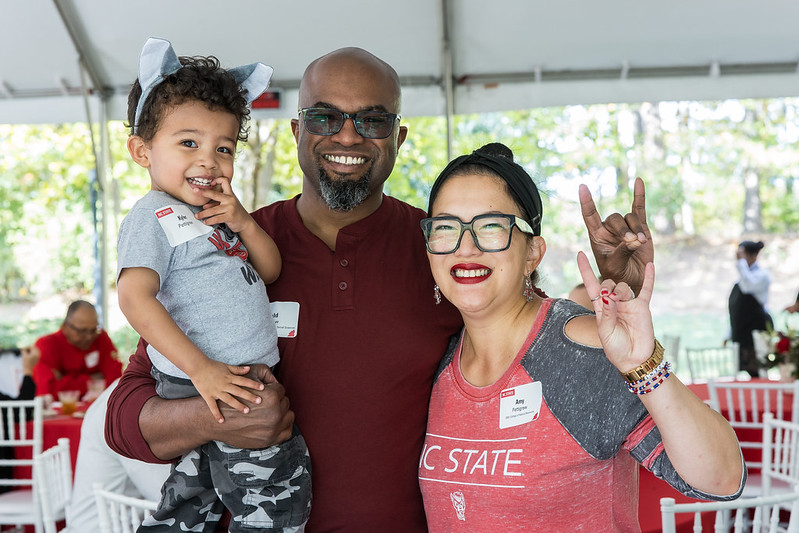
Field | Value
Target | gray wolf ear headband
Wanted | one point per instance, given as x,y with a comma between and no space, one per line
158,60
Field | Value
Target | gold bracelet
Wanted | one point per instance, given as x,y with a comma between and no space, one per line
638,373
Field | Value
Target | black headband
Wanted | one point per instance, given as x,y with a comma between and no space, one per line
518,180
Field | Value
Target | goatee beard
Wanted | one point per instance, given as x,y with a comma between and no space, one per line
344,195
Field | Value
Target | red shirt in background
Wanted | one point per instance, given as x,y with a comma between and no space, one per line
75,365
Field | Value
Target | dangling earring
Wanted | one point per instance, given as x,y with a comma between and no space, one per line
528,292
436,294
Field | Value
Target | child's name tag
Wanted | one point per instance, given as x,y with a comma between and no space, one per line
519,405
286,316
179,224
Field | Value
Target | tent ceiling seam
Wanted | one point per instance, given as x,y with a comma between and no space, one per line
628,72
71,27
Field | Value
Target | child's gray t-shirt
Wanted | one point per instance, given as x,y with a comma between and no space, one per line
207,285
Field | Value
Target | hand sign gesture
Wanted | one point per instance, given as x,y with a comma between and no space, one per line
622,246
624,321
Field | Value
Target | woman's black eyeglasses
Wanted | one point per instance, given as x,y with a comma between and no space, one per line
490,232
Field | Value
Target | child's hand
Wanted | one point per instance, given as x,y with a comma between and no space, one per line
217,381
224,207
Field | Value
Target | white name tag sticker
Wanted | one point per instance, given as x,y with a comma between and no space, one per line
179,224
286,316
519,405
92,359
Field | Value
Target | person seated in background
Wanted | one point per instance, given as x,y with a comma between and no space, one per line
29,356
78,353
27,390
97,463
16,367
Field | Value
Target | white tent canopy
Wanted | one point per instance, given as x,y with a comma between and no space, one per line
456,56
67,61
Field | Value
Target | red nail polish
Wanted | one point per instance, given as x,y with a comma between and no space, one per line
605,301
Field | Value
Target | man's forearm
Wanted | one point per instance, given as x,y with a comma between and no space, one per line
175,427
143,426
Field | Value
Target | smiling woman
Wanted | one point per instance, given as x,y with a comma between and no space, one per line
532,403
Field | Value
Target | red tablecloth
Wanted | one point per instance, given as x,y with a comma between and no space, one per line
53,428
651,489
63,426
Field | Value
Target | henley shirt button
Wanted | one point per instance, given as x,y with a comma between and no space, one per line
344,262
342,285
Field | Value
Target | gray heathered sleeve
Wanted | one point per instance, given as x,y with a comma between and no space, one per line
589,397
142,242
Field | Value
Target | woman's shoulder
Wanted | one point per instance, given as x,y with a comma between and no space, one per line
579,323
583,330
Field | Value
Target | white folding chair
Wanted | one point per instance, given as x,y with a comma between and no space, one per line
119,513
712,363
745,405
53,471
20,507
780,472
766,511
671,347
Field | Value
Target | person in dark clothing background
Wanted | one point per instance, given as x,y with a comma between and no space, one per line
748,303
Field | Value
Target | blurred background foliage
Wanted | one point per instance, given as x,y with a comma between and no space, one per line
724,168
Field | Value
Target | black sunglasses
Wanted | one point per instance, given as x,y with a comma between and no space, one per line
368,124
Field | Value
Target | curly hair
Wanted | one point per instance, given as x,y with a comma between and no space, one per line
201,79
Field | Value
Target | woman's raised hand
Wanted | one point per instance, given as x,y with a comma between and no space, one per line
624,321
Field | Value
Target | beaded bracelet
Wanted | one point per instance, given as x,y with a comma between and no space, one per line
656,372
645,385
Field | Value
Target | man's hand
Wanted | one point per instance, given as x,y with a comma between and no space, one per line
622,246
269,420
175,427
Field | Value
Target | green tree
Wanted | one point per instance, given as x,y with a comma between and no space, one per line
49,201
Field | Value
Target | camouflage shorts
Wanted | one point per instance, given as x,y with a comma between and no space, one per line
264,490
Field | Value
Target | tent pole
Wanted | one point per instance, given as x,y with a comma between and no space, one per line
99,192
101,157
102,167
446,73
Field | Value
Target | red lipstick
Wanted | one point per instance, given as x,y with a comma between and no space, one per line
470,273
